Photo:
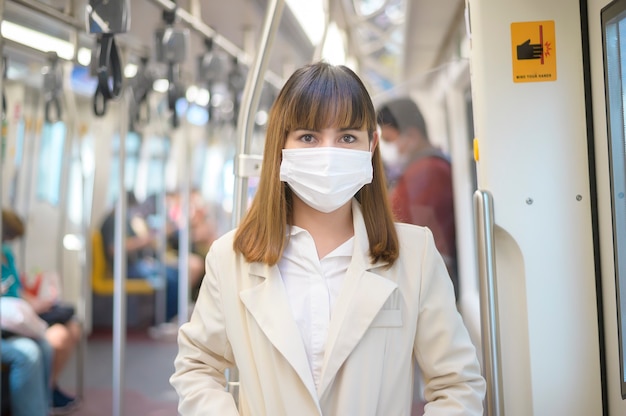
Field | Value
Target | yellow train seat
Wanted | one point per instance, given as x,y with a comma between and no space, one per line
102,278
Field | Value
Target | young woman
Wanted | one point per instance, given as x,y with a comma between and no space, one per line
322,303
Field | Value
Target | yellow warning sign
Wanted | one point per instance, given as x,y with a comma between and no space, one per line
534,51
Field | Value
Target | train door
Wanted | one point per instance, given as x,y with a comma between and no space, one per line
38,165
528,87
458,102
606,33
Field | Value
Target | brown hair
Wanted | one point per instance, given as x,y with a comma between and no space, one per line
12,225
315,97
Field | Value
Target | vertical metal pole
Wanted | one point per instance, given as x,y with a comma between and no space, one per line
30,145
250,103
68,144
119,268
86,262
161,292
183,236
483,203
245,126
2,145
70,133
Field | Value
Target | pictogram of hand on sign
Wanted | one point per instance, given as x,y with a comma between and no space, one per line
528,51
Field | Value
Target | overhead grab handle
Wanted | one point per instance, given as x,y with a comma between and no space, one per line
111,16
140,85
171,49
105,19
4,97
109,67
52,85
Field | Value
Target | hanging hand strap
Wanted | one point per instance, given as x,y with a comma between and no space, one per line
53,84
109,67
50,105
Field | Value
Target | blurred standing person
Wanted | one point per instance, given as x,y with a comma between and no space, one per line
420,177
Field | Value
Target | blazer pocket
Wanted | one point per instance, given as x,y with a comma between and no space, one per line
387,318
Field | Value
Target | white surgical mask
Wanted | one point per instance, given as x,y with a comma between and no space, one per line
389,153
326,178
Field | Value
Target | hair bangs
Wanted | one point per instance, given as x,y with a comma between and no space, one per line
332,98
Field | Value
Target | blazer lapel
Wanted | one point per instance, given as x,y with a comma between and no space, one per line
268,304
363,295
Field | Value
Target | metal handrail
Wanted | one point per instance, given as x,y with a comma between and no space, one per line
81,309
250,102
245,126
184,232
483,204
2,63
119,267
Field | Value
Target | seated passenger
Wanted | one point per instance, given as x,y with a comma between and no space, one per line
29,361
62,337
140,253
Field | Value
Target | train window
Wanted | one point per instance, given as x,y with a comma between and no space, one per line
132,145
19,142
213,181
198,165
613,18
75,189
50,162
158,149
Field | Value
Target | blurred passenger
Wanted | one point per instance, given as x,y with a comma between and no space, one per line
322,303
29,374
421,177
142,224
202,227
141,243
62,336
202,231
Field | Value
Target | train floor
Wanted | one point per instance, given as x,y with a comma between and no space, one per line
148,366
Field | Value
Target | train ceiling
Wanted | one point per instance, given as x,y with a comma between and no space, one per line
389,51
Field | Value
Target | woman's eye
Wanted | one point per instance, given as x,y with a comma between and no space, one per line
348,138
307,138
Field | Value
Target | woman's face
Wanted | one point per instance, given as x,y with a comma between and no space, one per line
345,138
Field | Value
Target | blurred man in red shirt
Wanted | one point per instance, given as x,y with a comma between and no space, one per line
420,176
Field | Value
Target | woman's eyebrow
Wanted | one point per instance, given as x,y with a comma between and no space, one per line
340,130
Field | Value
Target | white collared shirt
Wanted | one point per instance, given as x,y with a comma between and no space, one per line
313,286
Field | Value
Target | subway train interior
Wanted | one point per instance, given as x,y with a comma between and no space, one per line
166,102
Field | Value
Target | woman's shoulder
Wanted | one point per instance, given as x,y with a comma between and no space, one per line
411,229
412,233
224,243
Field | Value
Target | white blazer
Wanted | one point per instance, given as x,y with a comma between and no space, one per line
383,320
